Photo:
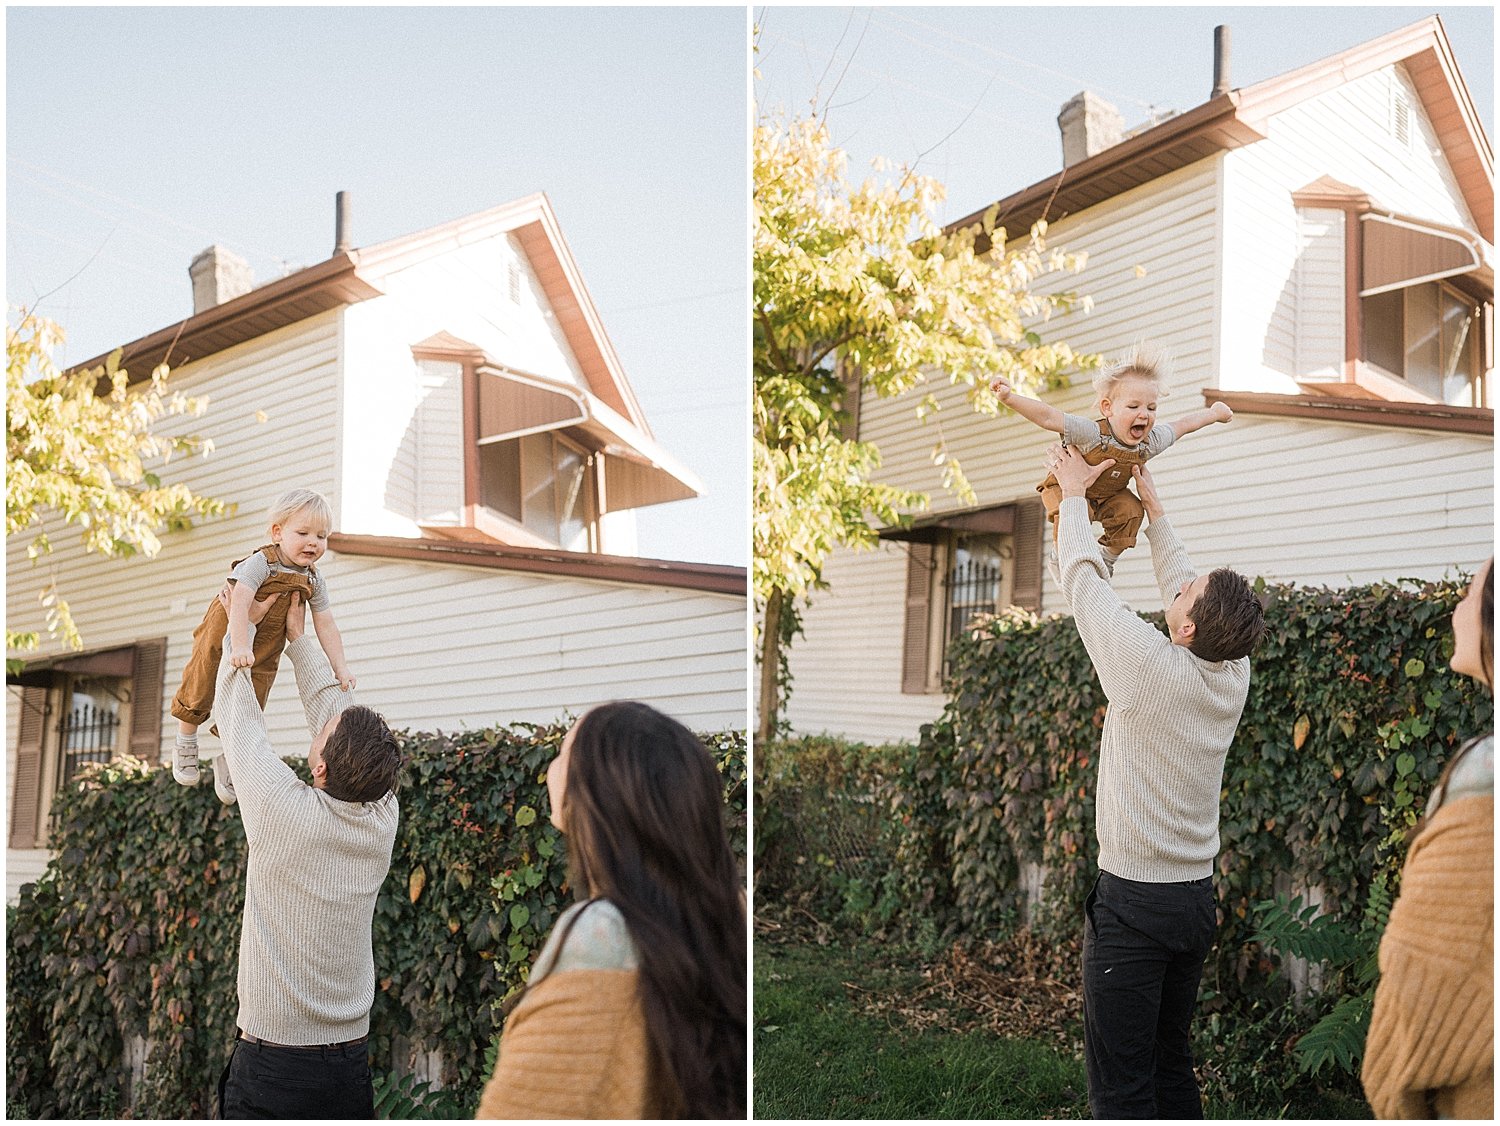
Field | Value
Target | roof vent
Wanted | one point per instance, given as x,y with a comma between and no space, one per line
342,217
219,275
1221,61
1089,125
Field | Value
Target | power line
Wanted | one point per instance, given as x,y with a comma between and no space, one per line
160,275
144,210
1084,82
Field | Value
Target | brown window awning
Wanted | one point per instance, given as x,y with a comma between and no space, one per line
513,404
1400,251
996,519
637,471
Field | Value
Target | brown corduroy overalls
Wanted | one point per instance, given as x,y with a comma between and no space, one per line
1111,503
195,698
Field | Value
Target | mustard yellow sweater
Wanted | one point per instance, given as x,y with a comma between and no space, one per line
576,1045
1431,1045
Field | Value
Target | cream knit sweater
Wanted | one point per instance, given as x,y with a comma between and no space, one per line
1171,717
307,972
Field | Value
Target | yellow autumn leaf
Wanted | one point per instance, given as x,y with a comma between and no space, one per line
417,882
1300,730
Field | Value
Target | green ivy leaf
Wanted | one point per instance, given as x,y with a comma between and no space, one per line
525,816
1415,667
520,915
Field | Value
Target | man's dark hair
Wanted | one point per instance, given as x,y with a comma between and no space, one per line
1228,616
362,757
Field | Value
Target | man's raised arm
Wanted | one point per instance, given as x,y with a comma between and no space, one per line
322,698
1169,557
253,763
1117,639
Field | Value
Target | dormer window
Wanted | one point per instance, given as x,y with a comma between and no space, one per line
502,455
544,483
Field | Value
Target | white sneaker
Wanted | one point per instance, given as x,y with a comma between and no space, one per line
223,784
185,762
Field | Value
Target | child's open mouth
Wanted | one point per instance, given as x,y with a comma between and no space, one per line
1138,431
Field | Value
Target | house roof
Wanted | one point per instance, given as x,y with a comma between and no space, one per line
711,577
357,275
1240,117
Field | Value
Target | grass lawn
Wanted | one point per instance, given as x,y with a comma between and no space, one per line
818,1056
826,1047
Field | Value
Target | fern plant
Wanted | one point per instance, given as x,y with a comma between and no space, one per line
1350,953
410,1097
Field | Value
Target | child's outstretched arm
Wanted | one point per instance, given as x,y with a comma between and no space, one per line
1197,420
1043,414
241,596
333,644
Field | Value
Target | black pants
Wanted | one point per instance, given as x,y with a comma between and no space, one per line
305,1083
1143,951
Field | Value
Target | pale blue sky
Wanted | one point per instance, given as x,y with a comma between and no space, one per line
974,92
138,136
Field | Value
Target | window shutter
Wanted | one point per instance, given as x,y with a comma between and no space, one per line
146,699
26,795
1031,525
918,618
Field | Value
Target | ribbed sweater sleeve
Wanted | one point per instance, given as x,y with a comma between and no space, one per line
1117,640
316,865
1433,1024
1171,716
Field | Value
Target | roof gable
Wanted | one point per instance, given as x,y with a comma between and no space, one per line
534,225
1240,117
357,275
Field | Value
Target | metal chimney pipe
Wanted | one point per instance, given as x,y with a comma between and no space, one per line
1221,60
341,223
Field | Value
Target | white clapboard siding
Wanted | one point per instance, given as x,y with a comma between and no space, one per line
439,460
846,670
1346,134
494,646
1320,293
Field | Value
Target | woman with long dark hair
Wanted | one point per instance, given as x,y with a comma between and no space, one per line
1430,1049
636,1005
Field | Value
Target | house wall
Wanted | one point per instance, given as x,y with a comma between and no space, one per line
407,466
1343,133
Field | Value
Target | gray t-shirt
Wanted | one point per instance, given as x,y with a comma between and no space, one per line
1084,434
257,569
1473,777
599,940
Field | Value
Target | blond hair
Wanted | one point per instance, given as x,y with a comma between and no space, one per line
1143,363
294,501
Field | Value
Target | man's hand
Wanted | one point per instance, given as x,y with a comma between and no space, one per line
296,617
345,678
1223,412
1145,485
1001,388
1074,474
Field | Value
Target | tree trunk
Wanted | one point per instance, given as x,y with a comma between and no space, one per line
770,665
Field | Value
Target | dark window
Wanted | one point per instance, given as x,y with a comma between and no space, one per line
1428,335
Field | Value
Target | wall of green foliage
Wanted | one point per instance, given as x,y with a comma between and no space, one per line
1352,714
134,929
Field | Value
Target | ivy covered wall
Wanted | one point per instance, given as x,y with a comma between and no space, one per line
132,936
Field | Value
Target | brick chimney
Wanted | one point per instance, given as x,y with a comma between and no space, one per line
219,275
1089,125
